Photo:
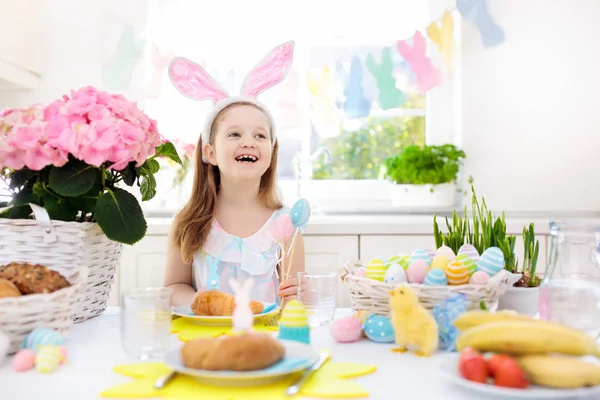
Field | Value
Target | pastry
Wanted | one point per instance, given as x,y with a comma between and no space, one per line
33,278
8,289
245,352
215,303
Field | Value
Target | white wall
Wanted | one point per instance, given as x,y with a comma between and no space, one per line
531,121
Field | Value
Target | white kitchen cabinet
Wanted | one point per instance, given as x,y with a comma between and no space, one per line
143,264
328,254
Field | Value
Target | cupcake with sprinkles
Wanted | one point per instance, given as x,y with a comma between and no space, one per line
293,324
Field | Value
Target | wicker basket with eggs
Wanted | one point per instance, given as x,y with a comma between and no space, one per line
434,276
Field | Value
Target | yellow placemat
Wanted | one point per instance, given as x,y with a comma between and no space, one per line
187,330
330,381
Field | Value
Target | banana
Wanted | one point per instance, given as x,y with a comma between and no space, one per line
560,372
528,337
473,318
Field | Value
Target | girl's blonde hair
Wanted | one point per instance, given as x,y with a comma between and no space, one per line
192,224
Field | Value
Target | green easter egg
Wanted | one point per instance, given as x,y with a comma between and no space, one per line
468,263
404,262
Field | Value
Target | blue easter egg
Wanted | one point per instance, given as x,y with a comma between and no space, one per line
42,336
300,213
435,277
420,254
379,329
491,261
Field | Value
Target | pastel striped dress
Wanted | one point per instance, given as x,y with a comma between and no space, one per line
228,256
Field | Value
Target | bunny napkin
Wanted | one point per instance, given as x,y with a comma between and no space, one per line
194,82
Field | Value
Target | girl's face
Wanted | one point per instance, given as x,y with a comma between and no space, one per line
241,143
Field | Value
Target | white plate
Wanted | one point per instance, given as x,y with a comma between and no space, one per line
185,311
449,370
298,356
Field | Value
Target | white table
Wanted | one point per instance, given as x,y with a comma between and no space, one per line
95,348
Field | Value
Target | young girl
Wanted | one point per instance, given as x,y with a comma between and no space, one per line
225,229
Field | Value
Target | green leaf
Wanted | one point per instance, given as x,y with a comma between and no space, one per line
148,187
72,179
59,208
130,173
19,178
87,201
152,166
120,217
20,204
168,150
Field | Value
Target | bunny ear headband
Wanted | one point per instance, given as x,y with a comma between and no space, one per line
194,82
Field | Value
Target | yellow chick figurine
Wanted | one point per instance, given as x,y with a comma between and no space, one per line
414,326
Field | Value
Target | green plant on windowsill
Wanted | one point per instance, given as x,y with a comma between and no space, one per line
482,231
420,165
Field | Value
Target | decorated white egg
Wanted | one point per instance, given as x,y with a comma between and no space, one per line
470,251
395,274
435,277
469,264
456,273
420,254
491,261
416,271
376,269
379,329
446,252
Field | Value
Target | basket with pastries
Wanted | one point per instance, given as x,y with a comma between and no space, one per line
34,295
434,276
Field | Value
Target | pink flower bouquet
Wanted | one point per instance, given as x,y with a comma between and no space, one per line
71,155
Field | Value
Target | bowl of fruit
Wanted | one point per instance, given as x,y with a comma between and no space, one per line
514,355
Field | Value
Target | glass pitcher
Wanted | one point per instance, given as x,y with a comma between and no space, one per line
570,289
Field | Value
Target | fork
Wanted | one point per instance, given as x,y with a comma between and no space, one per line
271,321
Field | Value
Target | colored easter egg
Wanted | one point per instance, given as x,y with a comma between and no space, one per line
395,274
491,261
379,329
430,253
300,213
48,358
394,259
447,252
435,277
479,278
404,262
346,330
420,254
282,228
470,265
470,251
456,272
294,314
41,336
23,360
416,271
440,261
360,271
376,269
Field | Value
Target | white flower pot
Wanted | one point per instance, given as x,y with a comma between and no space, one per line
522,300
423,196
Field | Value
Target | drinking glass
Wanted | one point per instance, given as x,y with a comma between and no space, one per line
317,291
146,322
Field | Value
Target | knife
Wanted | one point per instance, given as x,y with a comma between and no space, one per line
163,380
295,387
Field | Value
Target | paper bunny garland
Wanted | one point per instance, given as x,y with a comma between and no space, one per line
191,80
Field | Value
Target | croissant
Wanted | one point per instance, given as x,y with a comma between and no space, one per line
215,303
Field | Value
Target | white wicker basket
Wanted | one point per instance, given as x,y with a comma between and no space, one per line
65,246
372,296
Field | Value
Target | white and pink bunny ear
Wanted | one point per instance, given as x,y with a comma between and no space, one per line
270,71
193,81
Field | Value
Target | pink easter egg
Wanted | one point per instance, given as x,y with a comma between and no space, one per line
346,330
64,353
282,228
24,360
360,271
416,271
479,278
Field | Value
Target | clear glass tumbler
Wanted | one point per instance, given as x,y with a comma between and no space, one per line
146,322
317,291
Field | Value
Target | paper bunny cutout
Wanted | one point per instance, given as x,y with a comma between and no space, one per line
213,281
288,102
389,95
356,105
159,64
443,37
324,112
477,11
428,76
243,319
